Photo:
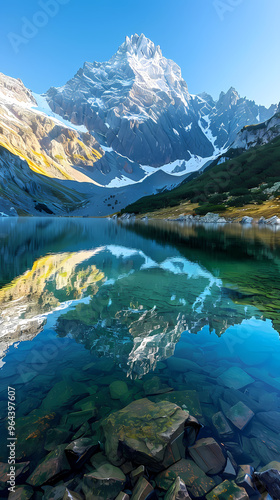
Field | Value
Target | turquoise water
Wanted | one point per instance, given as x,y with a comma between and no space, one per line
86,302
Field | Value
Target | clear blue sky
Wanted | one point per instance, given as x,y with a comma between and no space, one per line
240,47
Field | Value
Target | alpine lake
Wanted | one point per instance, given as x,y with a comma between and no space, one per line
136,353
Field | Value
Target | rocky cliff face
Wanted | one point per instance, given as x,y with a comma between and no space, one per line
258,135
50,147
224,118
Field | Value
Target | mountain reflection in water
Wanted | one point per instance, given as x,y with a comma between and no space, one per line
124,293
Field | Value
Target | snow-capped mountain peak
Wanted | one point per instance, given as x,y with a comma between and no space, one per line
140,46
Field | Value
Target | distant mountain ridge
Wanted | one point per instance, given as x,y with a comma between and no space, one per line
115,132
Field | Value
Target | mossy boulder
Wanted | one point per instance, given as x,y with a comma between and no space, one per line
144,432
226,490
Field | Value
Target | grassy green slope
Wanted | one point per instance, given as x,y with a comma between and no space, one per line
235,183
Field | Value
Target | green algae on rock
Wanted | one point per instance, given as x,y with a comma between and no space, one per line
226,490
143,431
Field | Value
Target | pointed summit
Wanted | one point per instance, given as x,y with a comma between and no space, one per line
140,46
231,97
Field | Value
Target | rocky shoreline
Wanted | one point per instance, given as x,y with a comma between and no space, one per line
210,218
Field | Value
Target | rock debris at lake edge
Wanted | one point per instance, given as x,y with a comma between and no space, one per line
209,218
145,439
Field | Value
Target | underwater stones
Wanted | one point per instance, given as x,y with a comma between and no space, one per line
143,432
31,432
226,490
270,419
183,365
76,419
208,455
21,470
165,479
137,473
55,436
142,489
235,378
63,394
106,482
229,470
222,426
54,493
80,450
270,481
240,415
53,468
187,400
271,465
118,389
245,479
178,491
21,493
71,495
122,496
197,482
155,386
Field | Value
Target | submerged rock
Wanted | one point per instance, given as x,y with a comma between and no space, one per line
245,479
106,482
21,471
240,415
222,426
53,468
197,482
178,491
187,400
71,495
80,450
64,394
235,378
56,436
270,419
155,386
144,432
136,474
21,493
208,455
118,389
142,489
270,480
227,490
122,496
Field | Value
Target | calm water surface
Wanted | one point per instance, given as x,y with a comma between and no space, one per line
86,302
